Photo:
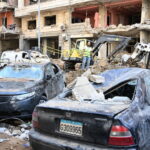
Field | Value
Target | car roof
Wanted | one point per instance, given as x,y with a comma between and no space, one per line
116,76
28,64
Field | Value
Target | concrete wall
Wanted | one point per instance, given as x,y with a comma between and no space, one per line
102,16
10,17
145,35
53,30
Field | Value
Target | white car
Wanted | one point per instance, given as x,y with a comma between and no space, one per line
23,56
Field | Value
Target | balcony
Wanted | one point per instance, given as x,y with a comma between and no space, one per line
7,4
10,29
29,8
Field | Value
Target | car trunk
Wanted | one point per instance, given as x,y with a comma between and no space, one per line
78,121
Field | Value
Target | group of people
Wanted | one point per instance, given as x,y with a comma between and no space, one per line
87,52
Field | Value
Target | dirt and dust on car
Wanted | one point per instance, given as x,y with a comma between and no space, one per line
103,102
26,79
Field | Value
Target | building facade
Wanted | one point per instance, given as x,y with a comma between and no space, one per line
9,25
62,22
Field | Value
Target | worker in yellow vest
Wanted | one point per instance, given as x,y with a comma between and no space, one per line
86,56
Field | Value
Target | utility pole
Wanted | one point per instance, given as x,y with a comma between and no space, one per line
39,24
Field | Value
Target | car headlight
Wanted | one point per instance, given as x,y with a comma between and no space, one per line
23,96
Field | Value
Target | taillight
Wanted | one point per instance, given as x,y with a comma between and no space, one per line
120,136
35,122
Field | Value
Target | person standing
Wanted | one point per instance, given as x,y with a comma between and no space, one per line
86,56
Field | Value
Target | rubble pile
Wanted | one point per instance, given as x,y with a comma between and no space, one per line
99,66
58,62
14,137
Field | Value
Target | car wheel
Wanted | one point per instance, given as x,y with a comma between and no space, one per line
43,99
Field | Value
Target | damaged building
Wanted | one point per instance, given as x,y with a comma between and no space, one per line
61,24
9,26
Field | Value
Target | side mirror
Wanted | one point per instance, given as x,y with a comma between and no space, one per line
48,77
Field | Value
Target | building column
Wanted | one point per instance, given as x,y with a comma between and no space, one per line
20,4
0,45
114,18
102,16
145,35
21,44
26,45
44,43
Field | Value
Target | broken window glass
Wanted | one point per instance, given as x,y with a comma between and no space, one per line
125,89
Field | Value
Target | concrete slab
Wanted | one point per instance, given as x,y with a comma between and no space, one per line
83,90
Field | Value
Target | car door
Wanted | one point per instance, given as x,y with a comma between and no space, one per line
58,80
49,81
137,116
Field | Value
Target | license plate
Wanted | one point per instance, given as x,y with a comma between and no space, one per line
71,127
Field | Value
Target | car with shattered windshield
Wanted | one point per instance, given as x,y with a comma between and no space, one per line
119,120
24,85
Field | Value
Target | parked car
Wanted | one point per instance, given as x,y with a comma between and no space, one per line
119,122
23,56
23,86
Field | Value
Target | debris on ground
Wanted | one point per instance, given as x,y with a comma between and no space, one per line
20,131
14,136
13,143
99,66
58,62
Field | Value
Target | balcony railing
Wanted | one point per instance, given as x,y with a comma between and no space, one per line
10,29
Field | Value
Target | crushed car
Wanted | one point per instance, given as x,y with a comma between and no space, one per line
117,119
24,85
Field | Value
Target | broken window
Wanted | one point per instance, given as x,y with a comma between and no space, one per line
125,13
91,12
125,89
55,68
32,24
50,20
4,21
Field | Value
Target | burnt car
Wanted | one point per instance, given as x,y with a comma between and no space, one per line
24,85
113,123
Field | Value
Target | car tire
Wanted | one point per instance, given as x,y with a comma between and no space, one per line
43,99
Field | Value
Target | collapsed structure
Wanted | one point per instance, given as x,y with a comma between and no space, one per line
62,23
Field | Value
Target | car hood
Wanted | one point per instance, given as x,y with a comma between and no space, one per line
16,86
106,108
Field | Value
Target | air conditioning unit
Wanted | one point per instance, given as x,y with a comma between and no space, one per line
63,27
65,37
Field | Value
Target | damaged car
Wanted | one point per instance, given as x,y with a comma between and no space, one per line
23,86
118,119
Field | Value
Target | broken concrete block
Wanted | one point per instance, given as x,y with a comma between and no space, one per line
77,66
96,79
87,73
83,90
125,58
